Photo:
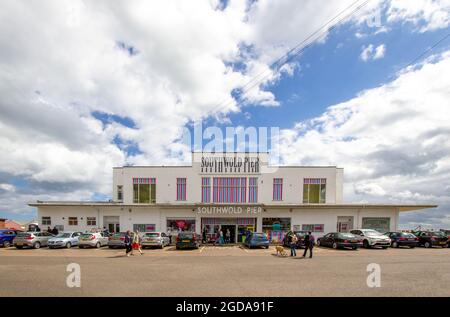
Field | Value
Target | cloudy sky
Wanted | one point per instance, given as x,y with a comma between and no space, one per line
88,85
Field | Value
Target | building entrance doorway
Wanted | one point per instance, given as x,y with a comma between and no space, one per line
232,229
112,223
344,223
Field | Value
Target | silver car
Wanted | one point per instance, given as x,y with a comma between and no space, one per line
155,239
64,240
372,238
117,240
93,240
32,239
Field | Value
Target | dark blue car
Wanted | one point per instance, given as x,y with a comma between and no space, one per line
257,239
6,237
402,239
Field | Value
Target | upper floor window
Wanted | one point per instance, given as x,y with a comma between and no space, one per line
91,221
144,190
120,193
314,190
229,189
181,189
206,189
253,190
73,221
46,221
277,189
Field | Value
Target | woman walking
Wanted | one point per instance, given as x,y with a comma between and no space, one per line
136,243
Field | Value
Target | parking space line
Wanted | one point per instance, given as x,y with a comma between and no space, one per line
201,249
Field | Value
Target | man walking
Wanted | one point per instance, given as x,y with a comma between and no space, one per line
309,244
127,242
293,244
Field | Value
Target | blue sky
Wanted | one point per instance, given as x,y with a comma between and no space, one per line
137,74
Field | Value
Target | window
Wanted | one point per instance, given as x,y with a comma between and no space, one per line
91,221
206,190
144,190
276,228
73,221
253,190
181,189
313,228
314,190
120,193
375,223
144,227
46,221
229,189
177,225
277,189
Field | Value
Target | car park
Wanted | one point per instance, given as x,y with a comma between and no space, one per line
155,239
300,239
92,240
64,240
372,238
116,240
257,239
338,240
6,237
403,239
429,239
33,240
187,240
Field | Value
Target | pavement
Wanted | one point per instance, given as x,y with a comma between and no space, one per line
224,272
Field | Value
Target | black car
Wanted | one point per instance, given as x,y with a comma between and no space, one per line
300,239
188,240
402,239
429,239
338,240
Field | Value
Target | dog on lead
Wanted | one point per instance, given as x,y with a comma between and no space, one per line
280,250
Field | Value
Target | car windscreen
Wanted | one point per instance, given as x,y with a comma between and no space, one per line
438,234
185,235
86,235
347,236
407,235
63,235
152,235
372,233
23,234
118,235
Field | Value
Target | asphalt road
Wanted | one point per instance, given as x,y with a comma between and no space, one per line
226,271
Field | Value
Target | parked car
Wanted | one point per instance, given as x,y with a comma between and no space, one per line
188,240
372,238
32,239
300,239
403,239
155,239
93,240
429,239
64,240
338,240
116,240
447,233
257,239
6,237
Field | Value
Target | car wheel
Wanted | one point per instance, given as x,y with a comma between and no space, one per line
68,245
98,245
6,244
427,244
394,244
36,245
335,246
318,243
366,244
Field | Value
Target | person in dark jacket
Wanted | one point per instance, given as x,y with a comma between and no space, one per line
309,244
55,231
127,241
204,235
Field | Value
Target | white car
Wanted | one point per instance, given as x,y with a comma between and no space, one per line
93,240
372,238
64,240
155,239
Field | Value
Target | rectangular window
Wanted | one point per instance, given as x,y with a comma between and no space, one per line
276,228
181,189
206,189
381,224
313,227
229,189
277,189
144,227
46,221
144,190
253,190
314,190
73,221
91,221
120,193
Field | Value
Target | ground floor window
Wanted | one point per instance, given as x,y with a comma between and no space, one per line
177,225
276,228
313,227
238,228
59,228
91,221
46,221
381,224
144,227
73,221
